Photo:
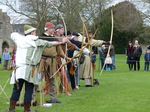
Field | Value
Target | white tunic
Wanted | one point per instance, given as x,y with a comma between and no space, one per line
23,43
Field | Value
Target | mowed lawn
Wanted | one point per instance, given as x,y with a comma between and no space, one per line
119,91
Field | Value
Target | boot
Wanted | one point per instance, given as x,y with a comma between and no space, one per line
27,106
87,82
68,93
12,106
96,82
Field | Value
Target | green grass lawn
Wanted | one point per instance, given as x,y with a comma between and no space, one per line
119,91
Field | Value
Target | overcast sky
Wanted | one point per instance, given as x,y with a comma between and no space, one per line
5,9
139,6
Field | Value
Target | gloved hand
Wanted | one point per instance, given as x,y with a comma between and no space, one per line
107,42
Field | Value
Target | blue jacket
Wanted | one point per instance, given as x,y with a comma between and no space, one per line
6,56
147,57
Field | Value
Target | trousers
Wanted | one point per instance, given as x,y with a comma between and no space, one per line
28,91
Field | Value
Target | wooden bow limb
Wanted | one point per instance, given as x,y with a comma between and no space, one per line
4,92
83,29
84,26
86,30
5,85
42,15
111,37
90,49
65,27
60,15
74,55
62,20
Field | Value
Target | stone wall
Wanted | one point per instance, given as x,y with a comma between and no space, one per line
5,31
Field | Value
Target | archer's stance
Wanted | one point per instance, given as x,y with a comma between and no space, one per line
28,54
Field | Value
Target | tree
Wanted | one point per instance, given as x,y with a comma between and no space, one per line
41,11
144,37
144,7
127,17
29,11
127,24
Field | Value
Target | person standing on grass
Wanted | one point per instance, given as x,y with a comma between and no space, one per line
0,60
49,65
147,59
28,55
136,54
128,54
60,32
86,69
74,77
13,59
6,58
108,62
103,52
112,55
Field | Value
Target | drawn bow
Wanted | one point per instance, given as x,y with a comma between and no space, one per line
111,37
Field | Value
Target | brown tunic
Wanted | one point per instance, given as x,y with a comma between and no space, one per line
48,62
70,46
53,51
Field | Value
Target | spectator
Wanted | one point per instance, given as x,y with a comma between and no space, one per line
136,54
108,62
6,58
13,59
103,52
112,55
128,54
0,60
147,59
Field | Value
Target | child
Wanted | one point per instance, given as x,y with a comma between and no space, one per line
6,58
108,62
0,60
147,59
13,59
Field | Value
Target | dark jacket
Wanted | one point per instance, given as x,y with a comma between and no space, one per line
77,43
136,51
103,52
112,50
129,50
147,56
93,58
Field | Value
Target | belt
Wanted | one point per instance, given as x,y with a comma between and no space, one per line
48,56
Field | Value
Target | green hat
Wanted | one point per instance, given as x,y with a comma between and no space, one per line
28,29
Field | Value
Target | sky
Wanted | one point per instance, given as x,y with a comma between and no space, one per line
140,7
6,9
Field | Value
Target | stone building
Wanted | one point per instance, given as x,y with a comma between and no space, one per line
5,31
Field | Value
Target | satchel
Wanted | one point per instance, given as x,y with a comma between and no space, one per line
72,69
108,60
82,58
